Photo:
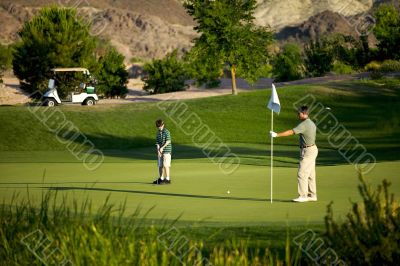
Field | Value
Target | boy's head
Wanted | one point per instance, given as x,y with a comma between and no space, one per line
160,124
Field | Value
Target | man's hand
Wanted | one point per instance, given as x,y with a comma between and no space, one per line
273,134
161,150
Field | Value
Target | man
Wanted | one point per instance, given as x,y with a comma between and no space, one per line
164,149
307,188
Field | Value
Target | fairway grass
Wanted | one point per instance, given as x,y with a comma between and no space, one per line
32,158
229,215
199,191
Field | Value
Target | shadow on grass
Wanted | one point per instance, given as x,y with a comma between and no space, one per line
58,183
164,194
142,148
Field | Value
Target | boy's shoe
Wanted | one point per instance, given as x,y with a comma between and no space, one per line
312,198
158,182
167,182
301,199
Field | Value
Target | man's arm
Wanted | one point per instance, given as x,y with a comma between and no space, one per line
286,133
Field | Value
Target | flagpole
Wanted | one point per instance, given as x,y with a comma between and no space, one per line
275,106
272,150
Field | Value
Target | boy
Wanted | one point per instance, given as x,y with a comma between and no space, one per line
164,149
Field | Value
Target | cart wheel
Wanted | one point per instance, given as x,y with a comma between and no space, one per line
50,102
90,101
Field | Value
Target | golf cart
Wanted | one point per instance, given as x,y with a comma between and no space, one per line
85,94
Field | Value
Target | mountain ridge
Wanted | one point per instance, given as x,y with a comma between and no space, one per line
152,28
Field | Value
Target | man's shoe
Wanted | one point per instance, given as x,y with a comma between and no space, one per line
312,198
300,199
167,182
158,182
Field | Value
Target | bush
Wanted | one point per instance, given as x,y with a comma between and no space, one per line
288,64
390,66
112,75
165,75
319,58
373,66
370,235
376,75
342,68
387,31
54,38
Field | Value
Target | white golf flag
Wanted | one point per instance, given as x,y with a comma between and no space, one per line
274,103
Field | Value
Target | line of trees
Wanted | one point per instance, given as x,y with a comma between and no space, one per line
229,40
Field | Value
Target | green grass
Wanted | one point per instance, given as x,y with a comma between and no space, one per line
369,110
125,134
34,162
54,233
199,190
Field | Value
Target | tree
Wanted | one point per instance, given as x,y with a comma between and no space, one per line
229,36
387,31
165,75
203,66
56,37
319,58
288,64
112,75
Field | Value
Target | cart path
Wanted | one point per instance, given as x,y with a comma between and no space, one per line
11,94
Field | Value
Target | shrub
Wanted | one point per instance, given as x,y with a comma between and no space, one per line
342,68
387,31
112,75
370,234
373,66
288,64
319,58
390,66
165,75
376,75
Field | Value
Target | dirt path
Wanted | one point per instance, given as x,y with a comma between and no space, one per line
10,94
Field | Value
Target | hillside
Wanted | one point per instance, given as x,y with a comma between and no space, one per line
144,29
152,28
130,126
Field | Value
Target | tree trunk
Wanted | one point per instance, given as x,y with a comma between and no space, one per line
233,74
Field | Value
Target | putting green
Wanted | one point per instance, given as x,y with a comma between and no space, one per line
199,191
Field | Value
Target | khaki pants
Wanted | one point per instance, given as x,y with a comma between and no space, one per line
306,174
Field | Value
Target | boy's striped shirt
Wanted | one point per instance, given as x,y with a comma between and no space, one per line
162,137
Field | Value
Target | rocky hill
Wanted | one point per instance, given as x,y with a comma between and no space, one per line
152,28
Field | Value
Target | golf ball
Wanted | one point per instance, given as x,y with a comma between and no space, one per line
327,108
228,192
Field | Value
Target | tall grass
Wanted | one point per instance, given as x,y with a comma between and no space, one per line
54,231
370,234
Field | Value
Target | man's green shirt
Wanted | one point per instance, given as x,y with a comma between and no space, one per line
307,131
